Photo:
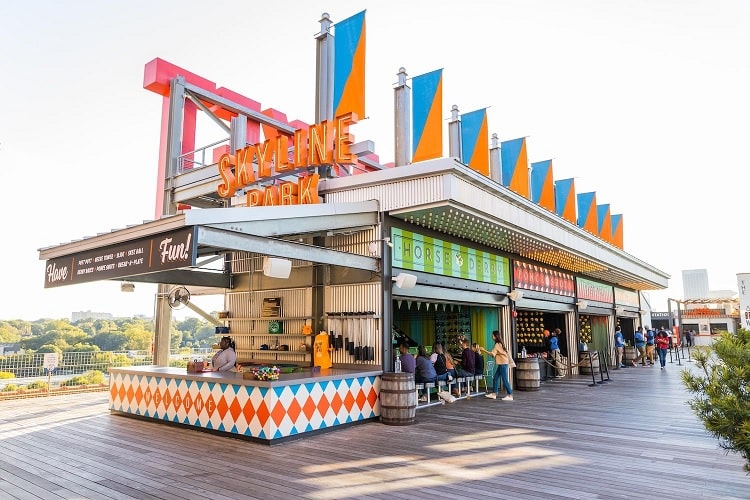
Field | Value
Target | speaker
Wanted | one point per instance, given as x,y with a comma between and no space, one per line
276,268
515,295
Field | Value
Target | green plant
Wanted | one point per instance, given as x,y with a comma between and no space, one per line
10,388
7,375
92,377
721,390
37,384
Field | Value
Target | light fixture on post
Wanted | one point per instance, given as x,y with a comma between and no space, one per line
515,295
582,304
405,280
127,287
277,268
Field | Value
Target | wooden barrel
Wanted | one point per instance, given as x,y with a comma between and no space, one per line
631,354
527,374
398,399
584,366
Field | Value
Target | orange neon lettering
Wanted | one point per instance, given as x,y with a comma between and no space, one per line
343,138
308,189
265,152
270,196
300,148
227,188
321,143
244,163
288,194
254,198
281,159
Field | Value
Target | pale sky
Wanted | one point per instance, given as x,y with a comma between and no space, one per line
644,102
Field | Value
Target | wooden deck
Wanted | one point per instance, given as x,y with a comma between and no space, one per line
632,438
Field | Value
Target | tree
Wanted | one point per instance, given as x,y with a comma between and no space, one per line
721,391
8,333
138,338
110,341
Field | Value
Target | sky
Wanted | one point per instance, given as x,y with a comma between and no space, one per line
643,101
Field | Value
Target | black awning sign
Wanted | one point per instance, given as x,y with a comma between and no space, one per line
161,252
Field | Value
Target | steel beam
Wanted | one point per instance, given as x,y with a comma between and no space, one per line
231,240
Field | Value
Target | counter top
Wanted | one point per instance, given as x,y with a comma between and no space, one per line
302,377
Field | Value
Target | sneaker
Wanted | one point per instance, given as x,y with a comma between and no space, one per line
509,397
622,365
558,376
422,399
634,364
491,395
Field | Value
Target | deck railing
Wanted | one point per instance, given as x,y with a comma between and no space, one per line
24,375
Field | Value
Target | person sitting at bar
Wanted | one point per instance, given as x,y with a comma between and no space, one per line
407,360
467,360
424,372
450,365
226,359
439,362
478,360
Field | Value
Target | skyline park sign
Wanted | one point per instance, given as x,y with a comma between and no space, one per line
322,144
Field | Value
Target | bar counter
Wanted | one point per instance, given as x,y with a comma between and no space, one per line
265,411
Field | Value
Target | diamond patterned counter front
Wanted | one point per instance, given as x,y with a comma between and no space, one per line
262,412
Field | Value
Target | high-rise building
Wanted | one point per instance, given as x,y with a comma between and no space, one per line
695,283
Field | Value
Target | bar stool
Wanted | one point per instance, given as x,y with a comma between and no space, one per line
459,381
477,379
469,380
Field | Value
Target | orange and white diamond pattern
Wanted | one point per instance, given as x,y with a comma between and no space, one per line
265,413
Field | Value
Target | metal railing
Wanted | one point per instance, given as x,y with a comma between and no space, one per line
24,375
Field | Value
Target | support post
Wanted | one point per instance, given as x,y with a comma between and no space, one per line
402,118
454,135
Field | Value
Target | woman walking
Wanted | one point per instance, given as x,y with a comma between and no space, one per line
662,346
502,358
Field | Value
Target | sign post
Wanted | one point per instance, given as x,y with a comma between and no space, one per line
51,360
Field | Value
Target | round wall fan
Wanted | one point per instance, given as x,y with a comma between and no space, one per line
178,297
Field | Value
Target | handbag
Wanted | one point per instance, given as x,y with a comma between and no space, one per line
511,362
446,396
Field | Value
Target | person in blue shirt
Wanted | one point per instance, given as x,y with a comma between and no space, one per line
640,344
554,351
424,371
408,363
619,347
650,345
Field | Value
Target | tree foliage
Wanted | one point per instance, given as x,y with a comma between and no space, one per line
721,390
121,334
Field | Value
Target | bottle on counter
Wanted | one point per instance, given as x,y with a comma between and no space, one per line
397,366
523,352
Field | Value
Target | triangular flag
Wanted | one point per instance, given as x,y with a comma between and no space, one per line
399,302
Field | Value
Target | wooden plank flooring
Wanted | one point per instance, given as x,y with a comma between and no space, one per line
634,437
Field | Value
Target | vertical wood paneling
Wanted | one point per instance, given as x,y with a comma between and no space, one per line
363,330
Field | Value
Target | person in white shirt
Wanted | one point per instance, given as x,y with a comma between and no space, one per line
226,358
